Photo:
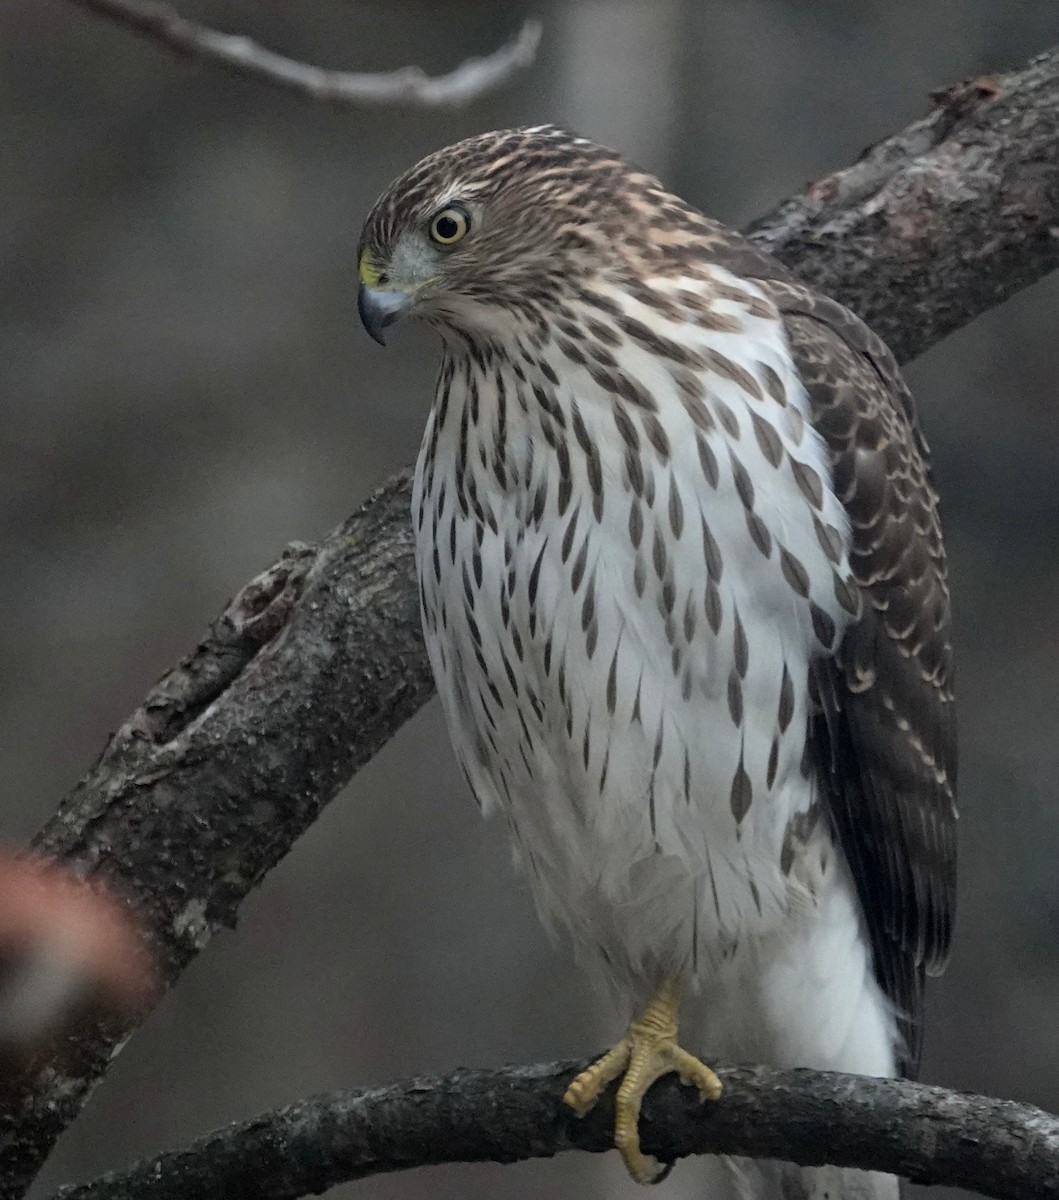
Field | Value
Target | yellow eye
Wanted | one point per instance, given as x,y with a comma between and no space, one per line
450,225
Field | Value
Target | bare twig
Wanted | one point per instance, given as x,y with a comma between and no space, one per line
408,87
995,1147
236,752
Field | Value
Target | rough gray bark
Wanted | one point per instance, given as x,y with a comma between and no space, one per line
320,660
942,221
995,1147
230,757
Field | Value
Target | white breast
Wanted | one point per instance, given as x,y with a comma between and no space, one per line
621,601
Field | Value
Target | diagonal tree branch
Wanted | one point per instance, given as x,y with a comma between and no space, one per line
320,660
408,87
995,1147
940,222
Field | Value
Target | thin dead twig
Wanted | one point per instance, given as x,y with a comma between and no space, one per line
407,87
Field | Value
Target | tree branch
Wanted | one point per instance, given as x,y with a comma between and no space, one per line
942,221
995,1147
230,758
408,87
320,660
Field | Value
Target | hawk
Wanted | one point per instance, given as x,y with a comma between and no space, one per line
684,594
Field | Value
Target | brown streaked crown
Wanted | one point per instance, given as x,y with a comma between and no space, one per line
543,164
550,212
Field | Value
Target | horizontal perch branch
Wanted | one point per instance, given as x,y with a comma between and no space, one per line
995,1147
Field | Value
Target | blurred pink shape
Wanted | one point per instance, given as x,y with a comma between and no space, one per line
64,943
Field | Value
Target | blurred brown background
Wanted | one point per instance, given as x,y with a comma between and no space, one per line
184,388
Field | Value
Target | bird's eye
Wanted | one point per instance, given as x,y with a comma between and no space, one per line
450,225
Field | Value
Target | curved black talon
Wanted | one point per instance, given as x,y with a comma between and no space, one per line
663,1175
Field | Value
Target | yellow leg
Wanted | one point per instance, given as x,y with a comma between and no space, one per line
647,1052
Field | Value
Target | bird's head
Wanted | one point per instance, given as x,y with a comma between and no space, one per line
503,225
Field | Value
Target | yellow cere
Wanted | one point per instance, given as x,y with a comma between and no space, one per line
369,270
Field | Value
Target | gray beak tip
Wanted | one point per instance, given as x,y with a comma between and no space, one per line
379,309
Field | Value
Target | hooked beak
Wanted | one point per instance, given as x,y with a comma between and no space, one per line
380,308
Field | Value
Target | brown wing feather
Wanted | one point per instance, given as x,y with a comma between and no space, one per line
886,741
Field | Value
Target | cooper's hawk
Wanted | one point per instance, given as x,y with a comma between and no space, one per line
683,589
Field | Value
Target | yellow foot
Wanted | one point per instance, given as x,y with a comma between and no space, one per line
647,1052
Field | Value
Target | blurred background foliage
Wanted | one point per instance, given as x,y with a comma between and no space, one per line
184,388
